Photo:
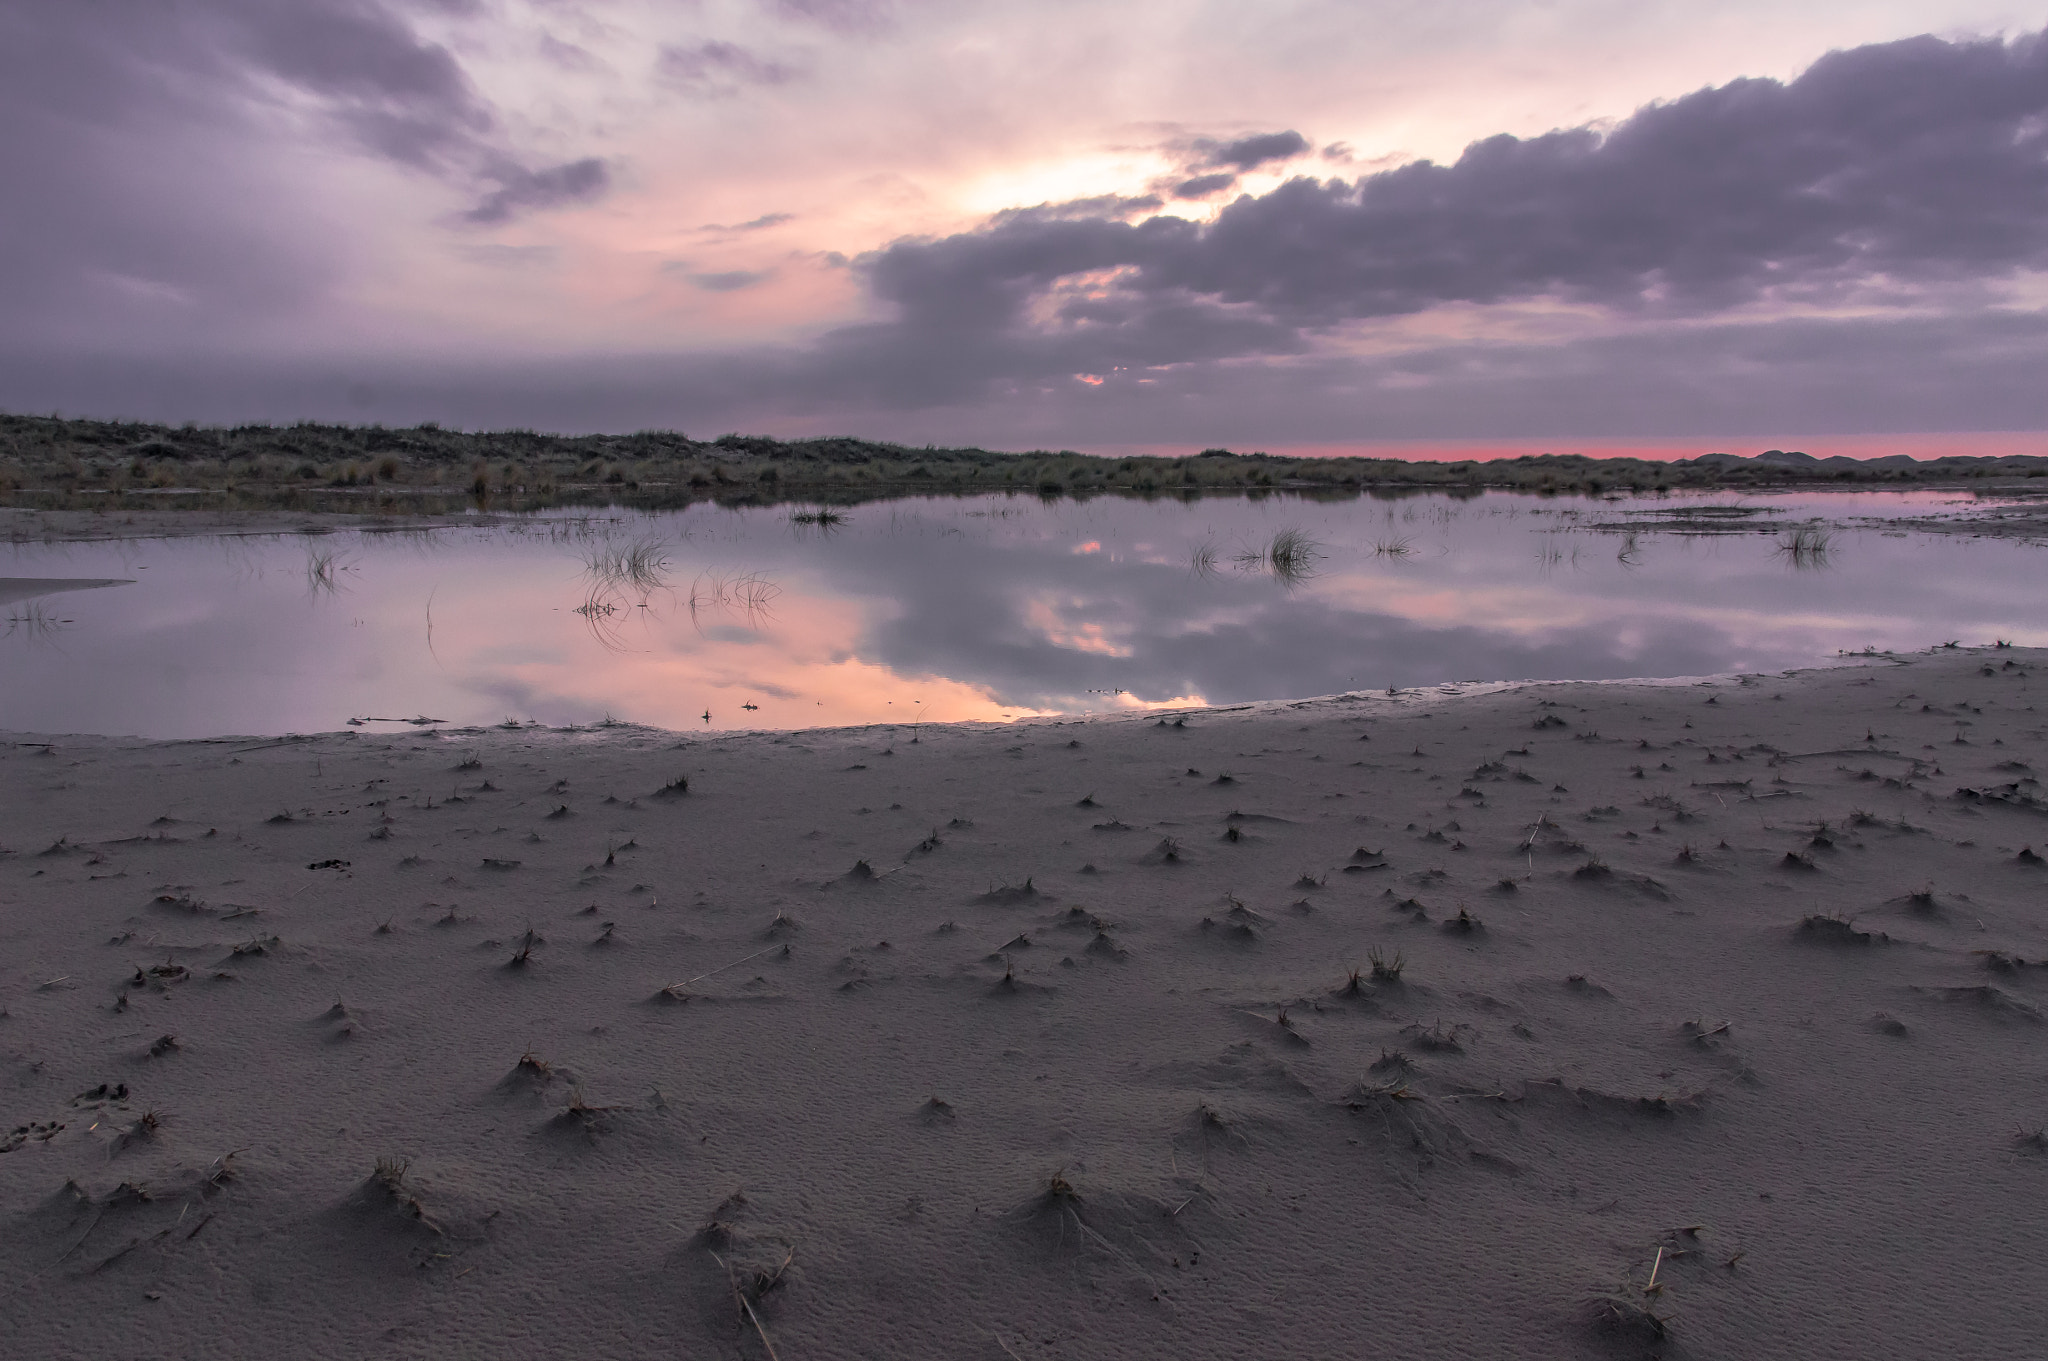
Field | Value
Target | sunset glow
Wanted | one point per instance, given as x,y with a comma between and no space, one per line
1164,227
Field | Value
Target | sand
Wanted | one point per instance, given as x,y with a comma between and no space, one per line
1717,1032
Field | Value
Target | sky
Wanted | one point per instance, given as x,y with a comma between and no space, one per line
1314,225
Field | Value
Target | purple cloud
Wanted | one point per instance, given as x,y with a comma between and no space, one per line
1203,186
1908,164
1249,153
523,190
711,65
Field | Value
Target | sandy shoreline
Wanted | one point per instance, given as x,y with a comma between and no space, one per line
975,1046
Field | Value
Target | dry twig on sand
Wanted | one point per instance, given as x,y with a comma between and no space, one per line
761,1286
720,969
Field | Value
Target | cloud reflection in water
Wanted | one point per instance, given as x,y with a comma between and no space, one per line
975,609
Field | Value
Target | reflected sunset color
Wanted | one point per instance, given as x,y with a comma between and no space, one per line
985,608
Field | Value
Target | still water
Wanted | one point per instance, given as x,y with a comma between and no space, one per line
986,608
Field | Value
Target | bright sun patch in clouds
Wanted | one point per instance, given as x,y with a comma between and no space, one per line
1054,181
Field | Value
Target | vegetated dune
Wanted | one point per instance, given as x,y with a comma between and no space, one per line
1699,1019
65,468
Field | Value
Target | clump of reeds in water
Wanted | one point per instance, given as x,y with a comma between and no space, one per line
1289,555
614,571
1806,547
637,564
323,570
1292,555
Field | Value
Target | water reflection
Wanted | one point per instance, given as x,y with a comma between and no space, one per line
1806,548
977,609
32,619
325,565
14,589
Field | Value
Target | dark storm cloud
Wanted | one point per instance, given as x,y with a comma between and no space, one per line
1905,164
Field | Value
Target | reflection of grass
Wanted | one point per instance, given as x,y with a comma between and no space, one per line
602,614
1293,555
1393,548
34,622
1204,560
639,564
824,517
613,568
747,594
1806,548
324,567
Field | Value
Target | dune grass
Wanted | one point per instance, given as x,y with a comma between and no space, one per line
56,463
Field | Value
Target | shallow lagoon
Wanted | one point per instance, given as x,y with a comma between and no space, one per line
981,608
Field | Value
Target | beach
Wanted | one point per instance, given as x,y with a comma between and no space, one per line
1660,1018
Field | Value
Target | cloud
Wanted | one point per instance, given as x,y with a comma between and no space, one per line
1096,209
1890,167
1202,186
199,194
842,16
508,257
714,66
1767,379
125,215
528,190
229,67
730,281
759,224
1249,153
176,166
403,98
